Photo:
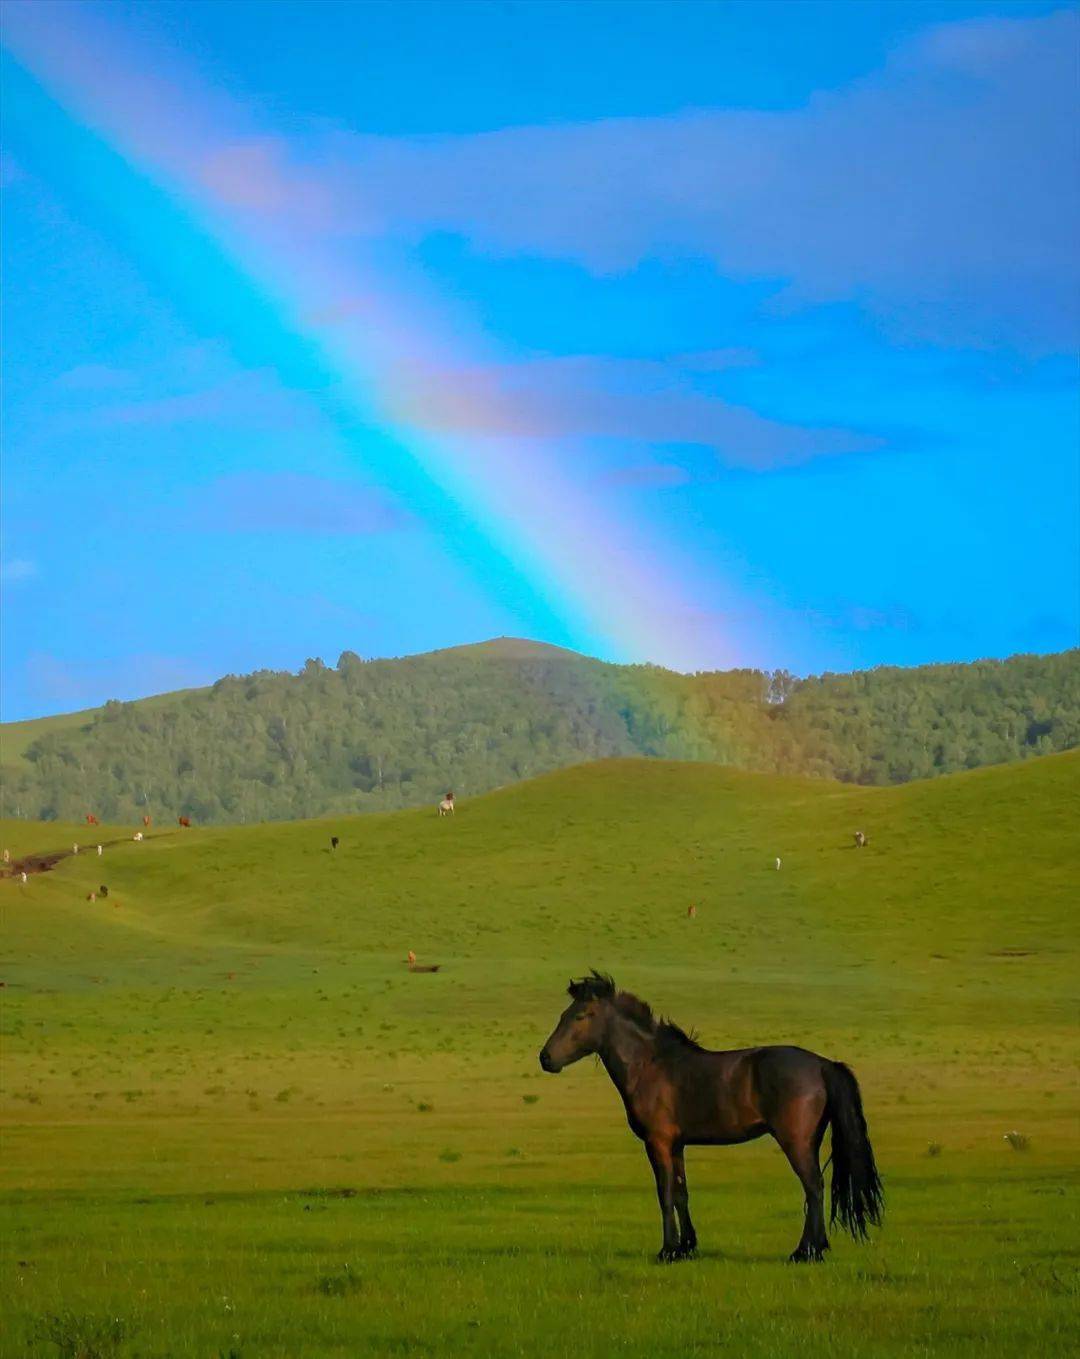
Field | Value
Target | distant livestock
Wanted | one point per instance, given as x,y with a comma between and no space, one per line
100,851
334,842
7,856
184,821
692,912
23,877
414,966
91,819
860,840
74,849
778,863
446,806
137,836
146,821
103,891
91,896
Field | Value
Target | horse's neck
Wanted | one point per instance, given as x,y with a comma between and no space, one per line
625,1054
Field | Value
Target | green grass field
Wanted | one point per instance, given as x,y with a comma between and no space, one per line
234,1125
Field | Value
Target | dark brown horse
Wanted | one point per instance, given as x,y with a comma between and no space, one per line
679,1094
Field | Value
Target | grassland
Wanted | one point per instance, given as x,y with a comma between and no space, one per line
234,1125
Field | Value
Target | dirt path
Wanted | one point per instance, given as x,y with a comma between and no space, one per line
43,862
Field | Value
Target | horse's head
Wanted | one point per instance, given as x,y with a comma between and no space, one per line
582,1025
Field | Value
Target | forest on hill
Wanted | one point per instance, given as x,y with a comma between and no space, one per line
384,734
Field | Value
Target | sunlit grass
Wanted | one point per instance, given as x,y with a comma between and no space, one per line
235,1124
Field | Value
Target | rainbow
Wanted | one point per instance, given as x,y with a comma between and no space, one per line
217,185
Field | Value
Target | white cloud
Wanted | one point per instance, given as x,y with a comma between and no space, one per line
18,568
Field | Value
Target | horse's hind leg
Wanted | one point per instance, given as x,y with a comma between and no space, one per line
800,1138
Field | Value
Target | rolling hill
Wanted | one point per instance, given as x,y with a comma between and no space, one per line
223,1080
379,735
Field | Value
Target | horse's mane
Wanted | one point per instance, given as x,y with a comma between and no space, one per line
669,1036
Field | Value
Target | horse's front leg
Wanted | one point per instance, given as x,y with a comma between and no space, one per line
662,1162
687,1235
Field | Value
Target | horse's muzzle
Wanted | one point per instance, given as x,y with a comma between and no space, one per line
546,1062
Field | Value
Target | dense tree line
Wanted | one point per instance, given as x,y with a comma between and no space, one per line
379,735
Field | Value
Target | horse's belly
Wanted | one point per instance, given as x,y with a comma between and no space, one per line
720,1110
728,1135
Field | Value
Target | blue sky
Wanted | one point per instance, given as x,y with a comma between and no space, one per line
711,335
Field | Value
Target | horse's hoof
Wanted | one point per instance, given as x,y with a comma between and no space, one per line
807,1255
667,1257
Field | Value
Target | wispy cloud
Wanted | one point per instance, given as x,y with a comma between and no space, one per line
655,476
252,400
594,396
95,377
939,193
254,175
17,569
289,502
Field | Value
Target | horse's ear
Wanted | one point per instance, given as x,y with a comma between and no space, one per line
602,983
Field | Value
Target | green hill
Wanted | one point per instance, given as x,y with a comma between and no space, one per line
222,1083
380,735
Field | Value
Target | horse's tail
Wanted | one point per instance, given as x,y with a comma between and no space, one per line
858,1198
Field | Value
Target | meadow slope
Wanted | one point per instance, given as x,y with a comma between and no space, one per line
235,1125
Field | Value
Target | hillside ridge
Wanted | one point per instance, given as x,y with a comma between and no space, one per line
382,734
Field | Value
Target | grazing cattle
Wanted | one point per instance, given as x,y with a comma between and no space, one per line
860,839
778,863
91,819
23,877
103,890
91,896
184,821
74,849
446,806
100,851
137,836
334,842
146,821
692,912
678,1094
414,966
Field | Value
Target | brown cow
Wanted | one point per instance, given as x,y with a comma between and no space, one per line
184,820
146,821
91,819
